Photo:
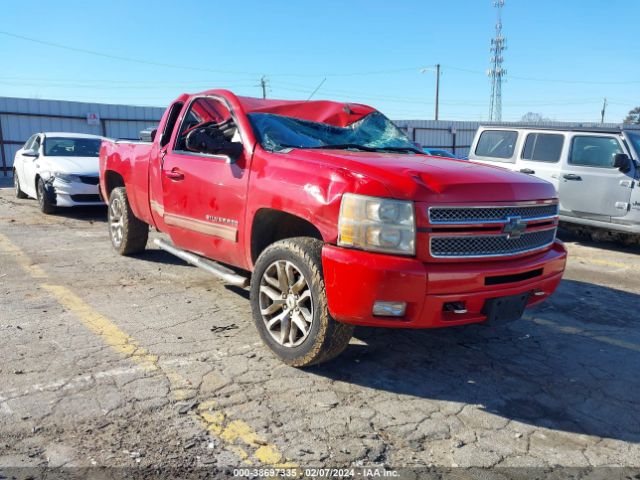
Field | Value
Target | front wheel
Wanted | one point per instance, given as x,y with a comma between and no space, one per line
289,304
46,197
128,233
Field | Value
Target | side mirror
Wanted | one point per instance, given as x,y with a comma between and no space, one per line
622,162
30,153
213,142
148,134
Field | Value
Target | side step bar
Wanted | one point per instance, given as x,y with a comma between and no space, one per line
226,274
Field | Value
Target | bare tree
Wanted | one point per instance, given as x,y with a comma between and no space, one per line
633,116
532,117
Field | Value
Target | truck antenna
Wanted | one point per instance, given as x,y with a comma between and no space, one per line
317,88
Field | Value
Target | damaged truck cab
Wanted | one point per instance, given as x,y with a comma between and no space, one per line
336,216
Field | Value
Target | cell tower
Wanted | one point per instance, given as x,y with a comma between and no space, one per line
496,72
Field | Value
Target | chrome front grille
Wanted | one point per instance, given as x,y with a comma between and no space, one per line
471,215
500,245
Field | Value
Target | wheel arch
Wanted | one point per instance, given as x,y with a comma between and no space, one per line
271,225
112,179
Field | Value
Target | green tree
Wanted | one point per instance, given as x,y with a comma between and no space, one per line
634,116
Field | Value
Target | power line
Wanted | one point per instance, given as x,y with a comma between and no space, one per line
546,80
201,69
285,86
118,57
414,69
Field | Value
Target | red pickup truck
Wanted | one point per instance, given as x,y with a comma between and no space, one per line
336,216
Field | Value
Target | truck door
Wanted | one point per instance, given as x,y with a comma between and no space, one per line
590,187
541,155
204,194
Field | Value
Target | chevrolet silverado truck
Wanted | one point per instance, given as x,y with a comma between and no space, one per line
334,218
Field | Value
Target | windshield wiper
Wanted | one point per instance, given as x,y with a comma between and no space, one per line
338,146
398,149
353,146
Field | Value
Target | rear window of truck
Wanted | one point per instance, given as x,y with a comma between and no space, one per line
498,144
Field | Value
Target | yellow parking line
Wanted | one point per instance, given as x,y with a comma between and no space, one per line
21,258
236,435
584,333
101,326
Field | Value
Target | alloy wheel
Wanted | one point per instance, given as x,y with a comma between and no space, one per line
286,304
41,193
116,221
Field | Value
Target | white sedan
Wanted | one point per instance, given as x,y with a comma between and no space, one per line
59,170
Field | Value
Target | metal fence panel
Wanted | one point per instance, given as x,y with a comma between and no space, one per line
22,117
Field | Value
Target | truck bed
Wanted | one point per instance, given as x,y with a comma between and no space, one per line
128,159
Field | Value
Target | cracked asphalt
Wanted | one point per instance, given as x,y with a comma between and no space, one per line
148,362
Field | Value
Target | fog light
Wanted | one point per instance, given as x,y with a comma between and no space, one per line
389,309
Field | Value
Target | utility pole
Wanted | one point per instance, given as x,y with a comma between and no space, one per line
496,72
430,69
263,84
437,89
604,109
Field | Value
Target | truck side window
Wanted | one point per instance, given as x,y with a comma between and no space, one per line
211,118
176,108
499,144
594,151
543,147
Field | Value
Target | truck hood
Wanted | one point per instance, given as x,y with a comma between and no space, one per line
437,180
75,165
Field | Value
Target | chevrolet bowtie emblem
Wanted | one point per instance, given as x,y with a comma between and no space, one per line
514,228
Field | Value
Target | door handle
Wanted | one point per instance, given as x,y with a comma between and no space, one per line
175,175
528,171
571,176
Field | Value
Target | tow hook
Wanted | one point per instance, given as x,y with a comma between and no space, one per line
456,307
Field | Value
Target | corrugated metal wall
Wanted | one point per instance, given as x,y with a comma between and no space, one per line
22,117
457,136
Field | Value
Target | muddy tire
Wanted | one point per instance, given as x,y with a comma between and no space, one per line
289,304
128,233
45,201
16,186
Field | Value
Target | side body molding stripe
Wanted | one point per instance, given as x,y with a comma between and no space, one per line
223,231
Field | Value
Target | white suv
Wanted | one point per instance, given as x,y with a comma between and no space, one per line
58,169
595,171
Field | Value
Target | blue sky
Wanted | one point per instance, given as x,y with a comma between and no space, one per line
563,57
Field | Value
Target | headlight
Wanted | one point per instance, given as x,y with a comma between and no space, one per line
65,177
377,224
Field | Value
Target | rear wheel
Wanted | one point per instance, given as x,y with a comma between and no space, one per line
16,185
289,304
45,201
128,233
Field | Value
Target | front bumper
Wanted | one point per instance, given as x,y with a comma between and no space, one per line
355,280
72,194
